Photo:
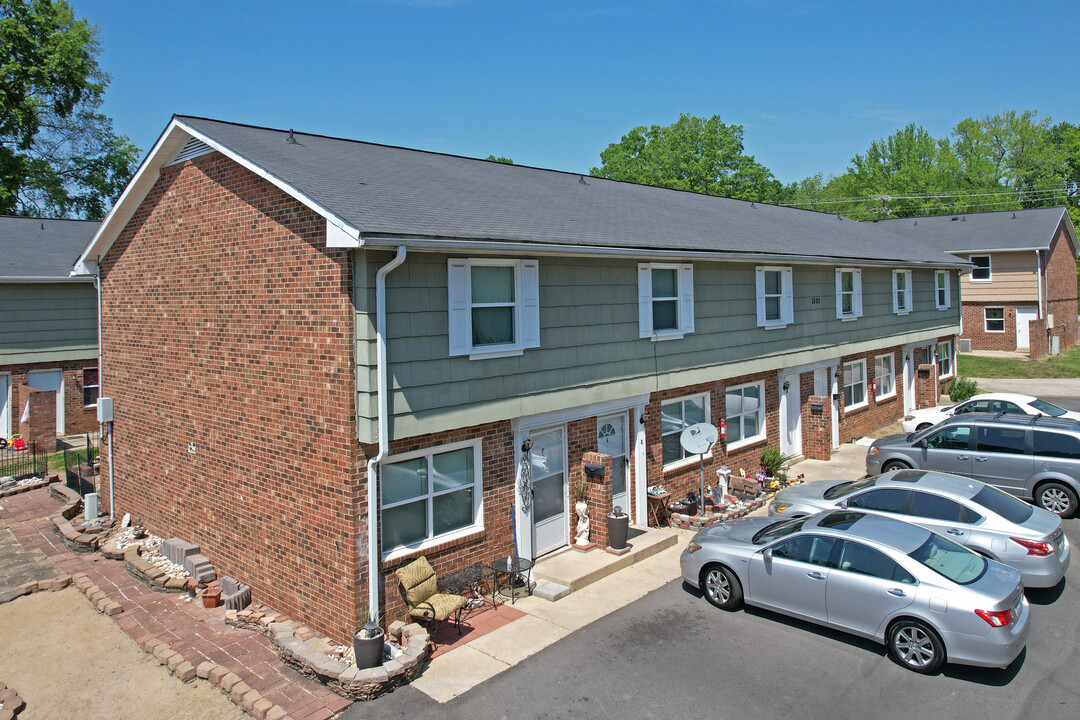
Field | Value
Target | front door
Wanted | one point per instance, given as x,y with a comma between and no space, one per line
547,459
1023,334
792,423
611,440
909,381
50,380
5,406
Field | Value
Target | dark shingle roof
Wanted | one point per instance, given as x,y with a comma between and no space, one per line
1000,230
394,191
40,247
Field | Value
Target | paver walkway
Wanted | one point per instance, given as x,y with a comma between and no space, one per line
195,632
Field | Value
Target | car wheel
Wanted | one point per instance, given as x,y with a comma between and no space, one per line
922,426
1056,497
916,646
721,587
895,465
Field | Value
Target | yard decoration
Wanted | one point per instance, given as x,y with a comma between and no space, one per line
368,645
581,535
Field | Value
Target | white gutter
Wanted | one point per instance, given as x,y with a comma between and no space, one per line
42,279
1039,275
101,393
384,432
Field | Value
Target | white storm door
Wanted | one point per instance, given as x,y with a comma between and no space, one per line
5,405
909,381
791,439
611,440
1023,330
547,458
50,380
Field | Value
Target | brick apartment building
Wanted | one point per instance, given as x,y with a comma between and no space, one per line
328,357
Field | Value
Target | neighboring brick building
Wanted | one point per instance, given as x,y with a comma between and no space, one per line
1023,270
48,326
532,321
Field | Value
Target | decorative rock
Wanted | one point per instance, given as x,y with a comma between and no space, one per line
203,671
218,675
261,708
229,682
250,698
185,671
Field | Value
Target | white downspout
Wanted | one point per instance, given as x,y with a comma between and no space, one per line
101,389
384,431
1039,275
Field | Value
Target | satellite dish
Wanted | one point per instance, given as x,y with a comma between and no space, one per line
698,439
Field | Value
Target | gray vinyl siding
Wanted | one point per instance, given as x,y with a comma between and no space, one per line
44,322
590,350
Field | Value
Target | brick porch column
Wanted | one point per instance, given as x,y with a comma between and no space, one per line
40,425
817,427
599,496
926,386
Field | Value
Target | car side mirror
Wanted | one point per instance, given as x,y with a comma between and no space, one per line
767,554
843,503
923,444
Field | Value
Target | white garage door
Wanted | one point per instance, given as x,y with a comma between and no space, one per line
50,380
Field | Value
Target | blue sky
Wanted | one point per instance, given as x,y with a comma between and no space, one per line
551,84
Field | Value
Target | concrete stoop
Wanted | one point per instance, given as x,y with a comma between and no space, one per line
566,571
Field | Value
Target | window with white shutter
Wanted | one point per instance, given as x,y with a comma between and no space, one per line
665,300
848,293
494,306
902,294
775,301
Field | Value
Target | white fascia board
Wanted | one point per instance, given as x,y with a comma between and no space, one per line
171,141
84,268
43,279
997,250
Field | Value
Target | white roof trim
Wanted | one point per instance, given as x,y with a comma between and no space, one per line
174,137
43,279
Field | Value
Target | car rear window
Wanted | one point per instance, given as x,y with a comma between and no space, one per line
950,560
1003,504
1047,408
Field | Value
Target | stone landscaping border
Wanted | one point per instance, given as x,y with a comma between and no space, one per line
58,583
299,647
74,539
148,573
11,703
49,479
696,522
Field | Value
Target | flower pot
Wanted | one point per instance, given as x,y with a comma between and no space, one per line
211,597
368,646
618,528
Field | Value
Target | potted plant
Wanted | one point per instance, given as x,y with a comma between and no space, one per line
775,464
368,645
618,528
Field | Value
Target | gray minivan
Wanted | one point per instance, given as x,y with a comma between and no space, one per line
1036,458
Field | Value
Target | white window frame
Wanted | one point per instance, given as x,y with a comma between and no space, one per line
97,385
989,271
478,497
942,282
526,307
684,298
856,294
986,320
949,355
879,395
708,418
865,384
763,431
787,302
908,294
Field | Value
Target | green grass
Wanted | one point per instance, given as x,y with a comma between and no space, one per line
1064,365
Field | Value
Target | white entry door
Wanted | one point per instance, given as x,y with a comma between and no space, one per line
611,440
792,417
5,405
50,380
547,460
909,381
1023,334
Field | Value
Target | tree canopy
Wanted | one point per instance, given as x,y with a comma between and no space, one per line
696,154
500,159
59,155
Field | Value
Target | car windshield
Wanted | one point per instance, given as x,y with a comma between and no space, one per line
1047,408
778,530
950,560
1004,504
846,488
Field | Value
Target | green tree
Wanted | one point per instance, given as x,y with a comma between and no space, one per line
59,155
500,158
695,154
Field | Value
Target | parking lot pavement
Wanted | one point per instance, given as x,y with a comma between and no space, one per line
1040,387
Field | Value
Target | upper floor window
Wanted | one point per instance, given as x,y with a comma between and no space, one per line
901,285
775,305
848,293
665,300
981,271
942,289
494,306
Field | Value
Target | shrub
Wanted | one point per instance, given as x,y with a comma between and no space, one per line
774,462
962,389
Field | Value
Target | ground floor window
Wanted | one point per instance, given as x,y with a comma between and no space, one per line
885,376
854,384
429,494
676,416
745,414
944,359
994,318
90,386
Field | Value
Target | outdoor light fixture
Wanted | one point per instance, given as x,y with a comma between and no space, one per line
787,385
527,445
837,373
644,417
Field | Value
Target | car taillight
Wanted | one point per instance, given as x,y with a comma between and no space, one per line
996,618
1040,549
909,417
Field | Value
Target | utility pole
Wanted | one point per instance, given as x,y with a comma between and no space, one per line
884,209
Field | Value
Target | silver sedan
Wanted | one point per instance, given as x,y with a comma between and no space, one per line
925,597
978,516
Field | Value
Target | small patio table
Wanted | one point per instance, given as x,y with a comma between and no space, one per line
510,568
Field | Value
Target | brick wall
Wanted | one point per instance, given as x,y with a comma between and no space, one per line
817,424
40,425
1039,341
228,324
1061,288
975,326
599,496
879,410
77,418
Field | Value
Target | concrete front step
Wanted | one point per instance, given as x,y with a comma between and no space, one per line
574,570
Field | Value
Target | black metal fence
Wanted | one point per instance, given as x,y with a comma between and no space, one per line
81,467
24,463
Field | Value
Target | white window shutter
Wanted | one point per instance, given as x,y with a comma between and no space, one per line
895,307
858,293
948,290
761,297
839,294
530,303
788,310
457,271
686,307
644,283
909,292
